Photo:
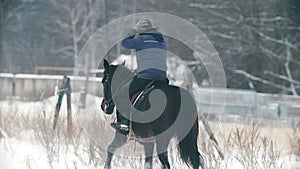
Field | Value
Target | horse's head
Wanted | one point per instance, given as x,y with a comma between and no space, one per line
119,73
107,104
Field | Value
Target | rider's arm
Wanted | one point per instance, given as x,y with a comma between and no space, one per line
130,41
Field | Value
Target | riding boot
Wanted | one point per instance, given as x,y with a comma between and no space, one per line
125,122
121,127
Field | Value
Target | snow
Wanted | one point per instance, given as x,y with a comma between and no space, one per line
23,155
47,106
25,151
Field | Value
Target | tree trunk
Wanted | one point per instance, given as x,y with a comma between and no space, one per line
1,37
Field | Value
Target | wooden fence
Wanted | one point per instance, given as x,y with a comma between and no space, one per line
245,104
31,87
239,104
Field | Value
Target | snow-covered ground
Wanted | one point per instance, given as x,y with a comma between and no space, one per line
27,141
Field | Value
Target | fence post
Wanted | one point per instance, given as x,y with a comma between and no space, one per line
14,86
62,90
189,86
69,108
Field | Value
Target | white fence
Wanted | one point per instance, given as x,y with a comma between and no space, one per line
244,104
238,103
36,87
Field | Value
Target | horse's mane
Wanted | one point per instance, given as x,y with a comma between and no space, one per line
124,69
121,75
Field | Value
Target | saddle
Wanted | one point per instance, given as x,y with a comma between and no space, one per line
139,100
141,97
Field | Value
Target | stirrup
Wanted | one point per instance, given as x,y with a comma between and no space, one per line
130,135
121,128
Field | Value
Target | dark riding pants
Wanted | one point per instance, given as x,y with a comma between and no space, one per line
135,85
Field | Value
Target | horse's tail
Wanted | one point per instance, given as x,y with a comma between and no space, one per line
189,149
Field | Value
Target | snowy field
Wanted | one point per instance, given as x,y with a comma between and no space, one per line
27,141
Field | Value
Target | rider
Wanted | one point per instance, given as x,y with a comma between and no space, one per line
150,48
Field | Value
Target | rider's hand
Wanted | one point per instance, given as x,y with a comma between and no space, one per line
140,27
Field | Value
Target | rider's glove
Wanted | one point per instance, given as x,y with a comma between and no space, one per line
140,27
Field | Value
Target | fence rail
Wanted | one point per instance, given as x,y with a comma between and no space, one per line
238,103
32,87
249,104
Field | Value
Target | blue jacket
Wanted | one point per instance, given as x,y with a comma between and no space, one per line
150,53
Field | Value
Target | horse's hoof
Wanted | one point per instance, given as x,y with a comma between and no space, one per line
148,166
106,167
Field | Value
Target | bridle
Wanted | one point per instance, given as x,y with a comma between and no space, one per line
107,105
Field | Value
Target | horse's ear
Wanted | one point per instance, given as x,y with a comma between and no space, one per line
123,64
105,64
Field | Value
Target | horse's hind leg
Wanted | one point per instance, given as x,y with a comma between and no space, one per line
148,147
118,141
162,147
163,157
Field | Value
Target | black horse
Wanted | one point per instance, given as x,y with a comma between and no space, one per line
179,118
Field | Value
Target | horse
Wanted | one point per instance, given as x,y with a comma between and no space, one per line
180,110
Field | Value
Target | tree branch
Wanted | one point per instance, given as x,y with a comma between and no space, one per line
208,9
272,54
282,77
258,79
287,69
271,39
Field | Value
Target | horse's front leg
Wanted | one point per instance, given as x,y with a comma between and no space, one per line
148,147
118,141
108,160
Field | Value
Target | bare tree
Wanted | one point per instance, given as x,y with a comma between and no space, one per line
73,24
255,40
8,10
